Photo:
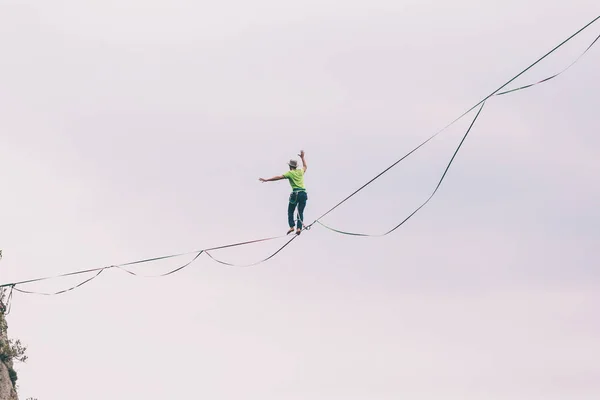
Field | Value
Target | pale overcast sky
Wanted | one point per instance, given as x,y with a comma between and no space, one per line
132,129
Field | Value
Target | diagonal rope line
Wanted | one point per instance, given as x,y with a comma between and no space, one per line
120,266
412,151
161,275
65,290
552,76
199,252
457,119
426,201
253,264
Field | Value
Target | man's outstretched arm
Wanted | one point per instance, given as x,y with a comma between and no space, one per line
275,178
304,165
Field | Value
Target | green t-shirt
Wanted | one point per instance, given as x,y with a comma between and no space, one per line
296,178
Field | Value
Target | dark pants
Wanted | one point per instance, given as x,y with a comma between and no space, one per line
297,198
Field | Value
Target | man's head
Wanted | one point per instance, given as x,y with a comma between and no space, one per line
293,164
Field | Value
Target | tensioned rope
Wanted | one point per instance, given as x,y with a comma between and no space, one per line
199,252
426,201
552,76
121,266
255,263
481,103
494,93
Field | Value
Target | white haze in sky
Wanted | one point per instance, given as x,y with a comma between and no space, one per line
132,129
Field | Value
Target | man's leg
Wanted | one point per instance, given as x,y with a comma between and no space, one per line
291,209
302,197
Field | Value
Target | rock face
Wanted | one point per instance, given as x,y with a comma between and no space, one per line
7,390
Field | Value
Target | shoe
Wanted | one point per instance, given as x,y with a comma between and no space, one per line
298,231
290,231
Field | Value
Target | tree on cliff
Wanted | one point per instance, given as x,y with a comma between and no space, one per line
10,351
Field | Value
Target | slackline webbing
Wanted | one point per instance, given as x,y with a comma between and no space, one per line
197,253
121,266
494,93
422,204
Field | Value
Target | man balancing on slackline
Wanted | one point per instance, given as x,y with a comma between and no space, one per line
298,196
